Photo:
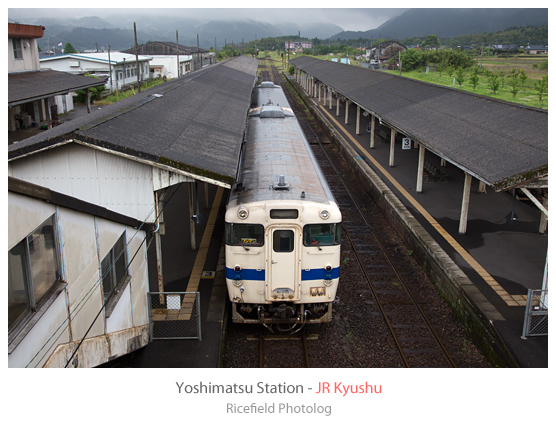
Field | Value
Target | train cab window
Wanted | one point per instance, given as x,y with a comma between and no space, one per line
322,235
283,241
244,234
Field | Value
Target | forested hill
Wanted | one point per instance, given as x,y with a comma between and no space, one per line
447,23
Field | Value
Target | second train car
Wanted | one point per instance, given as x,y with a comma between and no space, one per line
283,225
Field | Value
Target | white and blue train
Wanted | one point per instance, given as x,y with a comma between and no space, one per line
283,225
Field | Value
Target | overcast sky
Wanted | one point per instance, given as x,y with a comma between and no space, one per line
354,19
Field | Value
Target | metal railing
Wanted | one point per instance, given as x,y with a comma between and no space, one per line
175,315
536,314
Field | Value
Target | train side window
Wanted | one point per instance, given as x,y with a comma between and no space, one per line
322,234
283,241
251,235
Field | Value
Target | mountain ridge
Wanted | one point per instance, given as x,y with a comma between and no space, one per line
450,22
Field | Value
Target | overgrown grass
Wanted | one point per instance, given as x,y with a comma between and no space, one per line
119,95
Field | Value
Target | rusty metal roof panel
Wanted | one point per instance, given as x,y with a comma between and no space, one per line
193,124
501,143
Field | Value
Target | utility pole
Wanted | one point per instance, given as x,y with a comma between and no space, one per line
198,62
137,61
109,67
215,51
178,54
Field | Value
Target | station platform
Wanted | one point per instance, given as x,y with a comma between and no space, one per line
502,237
182,272
502,241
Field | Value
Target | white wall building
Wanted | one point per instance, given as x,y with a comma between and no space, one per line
166,66
79,219
23,52
121,69
33,96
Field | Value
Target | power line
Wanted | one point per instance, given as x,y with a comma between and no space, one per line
89,293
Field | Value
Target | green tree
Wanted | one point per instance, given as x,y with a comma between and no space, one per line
541,87
493,82
411,59
431,40
68,48
502,77
474,78
523,77
515,83
460,76
96,92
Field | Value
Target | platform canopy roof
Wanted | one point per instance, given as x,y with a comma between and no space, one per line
500,143
29,86
192,125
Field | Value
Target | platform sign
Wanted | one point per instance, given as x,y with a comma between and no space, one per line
406,143
173,301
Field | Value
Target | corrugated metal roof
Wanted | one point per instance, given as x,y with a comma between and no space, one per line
28,86
501,143
193,124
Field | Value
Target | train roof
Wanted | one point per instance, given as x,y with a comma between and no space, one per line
277,147
267,93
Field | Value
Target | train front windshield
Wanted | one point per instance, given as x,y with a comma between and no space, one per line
244,235
322,235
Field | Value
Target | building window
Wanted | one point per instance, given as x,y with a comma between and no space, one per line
33,272
18,52
114,268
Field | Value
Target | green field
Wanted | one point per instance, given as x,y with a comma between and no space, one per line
527,94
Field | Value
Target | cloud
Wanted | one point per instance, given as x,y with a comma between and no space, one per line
353,19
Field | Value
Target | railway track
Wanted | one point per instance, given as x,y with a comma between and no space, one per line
284,350
415,338
385,303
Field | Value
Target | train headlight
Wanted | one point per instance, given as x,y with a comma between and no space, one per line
243,213
324,214
237,281
328,275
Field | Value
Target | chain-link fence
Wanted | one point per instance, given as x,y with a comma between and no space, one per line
536,314
175,315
